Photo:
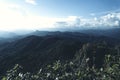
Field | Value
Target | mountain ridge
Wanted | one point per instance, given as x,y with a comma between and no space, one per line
38,50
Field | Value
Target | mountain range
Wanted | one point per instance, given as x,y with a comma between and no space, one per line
44,47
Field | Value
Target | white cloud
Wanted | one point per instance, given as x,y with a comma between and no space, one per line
33,2
105,21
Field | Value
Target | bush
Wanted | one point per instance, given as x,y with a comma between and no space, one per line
70,71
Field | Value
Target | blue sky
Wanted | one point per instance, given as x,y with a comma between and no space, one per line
63,8
76,7
40,14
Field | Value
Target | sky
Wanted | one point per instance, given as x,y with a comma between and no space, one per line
46,14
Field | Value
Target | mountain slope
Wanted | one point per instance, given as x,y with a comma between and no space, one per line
36,51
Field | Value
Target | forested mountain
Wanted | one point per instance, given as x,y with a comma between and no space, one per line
34,51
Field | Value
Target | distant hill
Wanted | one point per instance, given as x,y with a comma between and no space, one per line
113,33
6,34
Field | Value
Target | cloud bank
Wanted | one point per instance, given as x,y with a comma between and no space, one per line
105,21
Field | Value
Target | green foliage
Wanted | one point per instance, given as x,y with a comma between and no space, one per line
78,68
70,71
